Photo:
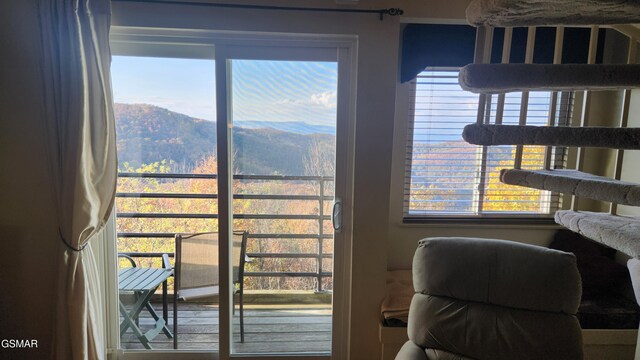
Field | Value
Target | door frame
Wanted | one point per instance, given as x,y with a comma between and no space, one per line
294,51
219,45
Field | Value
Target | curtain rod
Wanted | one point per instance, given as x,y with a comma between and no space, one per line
381,12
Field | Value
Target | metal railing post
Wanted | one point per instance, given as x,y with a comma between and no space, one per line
320,232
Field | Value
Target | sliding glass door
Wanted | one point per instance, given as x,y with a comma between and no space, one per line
166,133
283,120
280,107
252,145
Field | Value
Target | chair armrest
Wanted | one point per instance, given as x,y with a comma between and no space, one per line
125,256
411,351
165,262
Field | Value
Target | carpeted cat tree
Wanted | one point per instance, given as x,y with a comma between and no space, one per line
619,232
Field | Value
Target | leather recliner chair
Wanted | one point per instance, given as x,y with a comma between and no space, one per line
481,299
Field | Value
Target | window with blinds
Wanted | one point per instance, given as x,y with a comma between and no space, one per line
447,177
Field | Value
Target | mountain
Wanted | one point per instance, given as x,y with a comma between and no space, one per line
266,151
297,127
148,134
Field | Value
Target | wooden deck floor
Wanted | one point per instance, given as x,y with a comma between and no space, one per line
268,329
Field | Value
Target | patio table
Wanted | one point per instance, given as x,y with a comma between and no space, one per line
143,282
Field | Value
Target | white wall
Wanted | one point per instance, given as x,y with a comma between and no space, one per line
631,161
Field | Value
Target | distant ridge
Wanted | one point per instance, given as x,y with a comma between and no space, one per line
147,134
288,126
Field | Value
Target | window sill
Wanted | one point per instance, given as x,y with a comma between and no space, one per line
541,222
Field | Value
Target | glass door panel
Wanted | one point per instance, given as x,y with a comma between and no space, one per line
283,150
166,138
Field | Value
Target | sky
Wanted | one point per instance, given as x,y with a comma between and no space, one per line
262,90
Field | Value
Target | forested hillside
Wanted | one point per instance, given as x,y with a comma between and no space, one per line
148,134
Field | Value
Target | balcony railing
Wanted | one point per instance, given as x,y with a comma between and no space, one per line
323,196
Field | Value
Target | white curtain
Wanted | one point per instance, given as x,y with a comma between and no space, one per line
80,132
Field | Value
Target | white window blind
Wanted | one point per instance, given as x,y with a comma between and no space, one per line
445,176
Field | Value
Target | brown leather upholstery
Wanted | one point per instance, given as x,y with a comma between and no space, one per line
487,299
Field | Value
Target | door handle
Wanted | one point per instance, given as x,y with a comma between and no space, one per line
336,214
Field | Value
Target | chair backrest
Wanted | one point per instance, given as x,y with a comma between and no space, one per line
239,255
495,299
197,259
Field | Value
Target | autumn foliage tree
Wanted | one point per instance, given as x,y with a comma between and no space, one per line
446,179
501,197
208,208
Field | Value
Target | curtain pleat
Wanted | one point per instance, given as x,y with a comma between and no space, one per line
80,130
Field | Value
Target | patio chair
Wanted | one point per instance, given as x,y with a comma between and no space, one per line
197,273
